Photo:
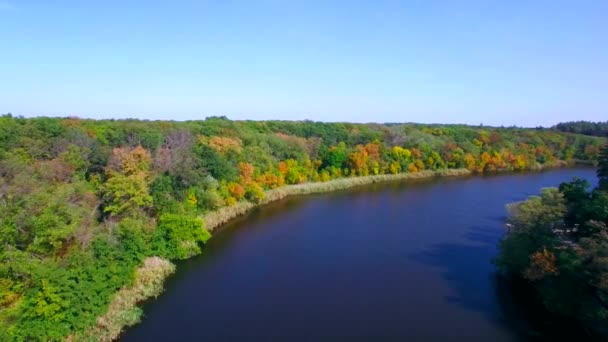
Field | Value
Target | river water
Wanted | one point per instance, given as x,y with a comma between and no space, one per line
397,261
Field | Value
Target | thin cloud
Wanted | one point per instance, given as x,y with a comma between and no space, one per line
5,6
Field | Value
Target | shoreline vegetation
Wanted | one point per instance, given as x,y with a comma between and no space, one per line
557,245
125,304
85,203
223,215
124,311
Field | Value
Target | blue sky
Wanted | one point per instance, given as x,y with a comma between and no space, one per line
522,63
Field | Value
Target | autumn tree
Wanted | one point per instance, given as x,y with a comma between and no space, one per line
246,172
402,157
176,158
542,264
126,189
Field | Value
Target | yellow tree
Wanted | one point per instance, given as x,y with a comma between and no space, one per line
126,189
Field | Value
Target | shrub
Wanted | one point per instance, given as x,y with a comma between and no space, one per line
254,193
179,237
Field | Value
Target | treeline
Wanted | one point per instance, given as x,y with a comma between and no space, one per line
598,129
83,203
558,242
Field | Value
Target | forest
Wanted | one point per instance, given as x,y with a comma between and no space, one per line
558,244
599,129
93,210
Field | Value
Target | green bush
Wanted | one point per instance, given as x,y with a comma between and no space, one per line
179,237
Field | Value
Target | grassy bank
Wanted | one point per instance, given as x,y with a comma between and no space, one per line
217,218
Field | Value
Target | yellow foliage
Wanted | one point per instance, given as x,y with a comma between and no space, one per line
401,153
325,176
236,190
376,168
394,168
192,200
224,144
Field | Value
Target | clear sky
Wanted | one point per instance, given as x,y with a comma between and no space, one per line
523,63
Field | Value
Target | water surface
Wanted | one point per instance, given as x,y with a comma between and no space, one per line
398,261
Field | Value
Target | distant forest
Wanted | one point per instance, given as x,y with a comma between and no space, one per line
598,129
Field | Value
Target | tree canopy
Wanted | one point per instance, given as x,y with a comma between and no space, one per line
599,129
558,242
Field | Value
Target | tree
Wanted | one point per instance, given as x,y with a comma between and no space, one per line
126,189
578,200
216,164
254,193
602,168
334,157
176,158
179,236
246,171
539,214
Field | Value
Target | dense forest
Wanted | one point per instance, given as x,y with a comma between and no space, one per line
558,243
598,129
90,211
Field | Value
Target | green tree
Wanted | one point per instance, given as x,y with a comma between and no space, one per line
179,236
532,223
126,189
602,168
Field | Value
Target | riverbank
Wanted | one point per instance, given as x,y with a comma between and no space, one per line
223,215
123,311
217,218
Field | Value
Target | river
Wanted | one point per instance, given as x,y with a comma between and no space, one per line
396,261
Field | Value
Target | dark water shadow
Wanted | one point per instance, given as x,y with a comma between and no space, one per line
504,301
462,266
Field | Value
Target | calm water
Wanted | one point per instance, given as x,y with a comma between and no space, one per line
392,262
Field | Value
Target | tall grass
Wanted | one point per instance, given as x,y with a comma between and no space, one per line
123,310
218,217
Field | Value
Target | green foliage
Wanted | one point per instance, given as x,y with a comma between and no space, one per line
539,214
124,194
599,129
126,189
163,194
216,164
602,168
578,200
334,157
179,237
558,242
